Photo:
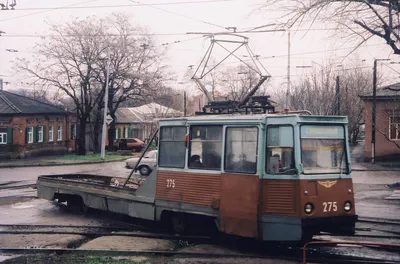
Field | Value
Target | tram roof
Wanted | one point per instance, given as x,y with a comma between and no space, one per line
259,118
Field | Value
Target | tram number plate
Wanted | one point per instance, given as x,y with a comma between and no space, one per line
330,206
170,183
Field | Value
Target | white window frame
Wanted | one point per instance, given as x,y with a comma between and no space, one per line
116,133
126,132
3,138
40,134
397,125
59,132
51,133
30,135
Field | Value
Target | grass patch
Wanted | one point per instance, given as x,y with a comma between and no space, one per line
73,259
93,157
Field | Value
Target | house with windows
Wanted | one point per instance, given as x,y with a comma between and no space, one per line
140,122
387,133
31,128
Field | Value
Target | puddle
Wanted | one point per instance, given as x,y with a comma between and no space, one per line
6,257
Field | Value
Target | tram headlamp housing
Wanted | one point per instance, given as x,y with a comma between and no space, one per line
347,206
308,208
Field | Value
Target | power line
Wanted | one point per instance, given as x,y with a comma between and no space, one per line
104,35
313,52
181,15
47,10
118,6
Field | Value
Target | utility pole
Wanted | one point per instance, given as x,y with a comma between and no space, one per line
184,103
103,134
373,112
288,73
337,95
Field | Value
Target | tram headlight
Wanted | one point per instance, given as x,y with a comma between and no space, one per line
308,208
347,206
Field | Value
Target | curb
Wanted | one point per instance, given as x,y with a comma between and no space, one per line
59,164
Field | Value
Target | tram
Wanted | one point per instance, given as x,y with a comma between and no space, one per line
272,177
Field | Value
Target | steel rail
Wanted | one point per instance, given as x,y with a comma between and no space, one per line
98,234
127,252
71,226
7,187
369,236
378,221
361,243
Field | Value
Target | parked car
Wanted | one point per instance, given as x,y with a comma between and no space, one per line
146,165
133,144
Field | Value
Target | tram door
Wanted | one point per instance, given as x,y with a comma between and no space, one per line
239,182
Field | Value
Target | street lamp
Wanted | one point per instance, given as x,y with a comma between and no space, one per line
374,109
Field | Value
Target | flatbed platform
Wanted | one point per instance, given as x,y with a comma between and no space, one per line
100,192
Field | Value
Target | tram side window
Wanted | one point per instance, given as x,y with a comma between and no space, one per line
205,147
172,147
241,149
280,157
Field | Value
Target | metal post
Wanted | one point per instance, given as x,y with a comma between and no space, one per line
373,113
184,103
103,134
288,73
337,95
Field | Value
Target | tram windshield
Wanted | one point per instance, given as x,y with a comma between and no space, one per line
322,156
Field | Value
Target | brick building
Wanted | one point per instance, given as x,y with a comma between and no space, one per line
31,128
387,136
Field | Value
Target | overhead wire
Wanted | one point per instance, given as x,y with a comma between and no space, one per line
47,10
181,15
118,6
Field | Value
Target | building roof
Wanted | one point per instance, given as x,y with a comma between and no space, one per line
11,104
145,113
386,92
126,115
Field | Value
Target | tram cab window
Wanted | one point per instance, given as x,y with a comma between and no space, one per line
280,155
323,149
172,147
241,149
205,147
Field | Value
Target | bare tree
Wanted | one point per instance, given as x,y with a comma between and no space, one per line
237,82
135,71
73,59
363,18
317,93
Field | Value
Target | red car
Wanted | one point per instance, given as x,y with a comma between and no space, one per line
133,144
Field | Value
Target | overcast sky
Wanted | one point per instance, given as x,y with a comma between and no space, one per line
171,20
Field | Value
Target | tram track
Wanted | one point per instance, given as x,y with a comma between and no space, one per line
314,258
383,221
139,231
132,230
